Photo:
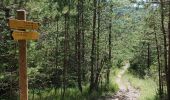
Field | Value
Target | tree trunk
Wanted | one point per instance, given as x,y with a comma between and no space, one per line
79,46
65,54
93,48
159,66
98,47
83,40
110,47
168,83
76,49
57,51
148,55
165,40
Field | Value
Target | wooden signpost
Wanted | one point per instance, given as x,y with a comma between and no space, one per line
20,26
21,35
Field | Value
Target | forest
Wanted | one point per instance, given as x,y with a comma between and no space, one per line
88,50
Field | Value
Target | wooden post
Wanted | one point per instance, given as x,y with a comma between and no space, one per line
23,82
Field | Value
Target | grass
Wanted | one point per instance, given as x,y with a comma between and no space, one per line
73,93
113,75
147,87
51,94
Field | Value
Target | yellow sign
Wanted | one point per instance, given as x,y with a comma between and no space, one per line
21,24
22,35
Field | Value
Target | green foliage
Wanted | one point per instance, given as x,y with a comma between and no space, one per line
112,87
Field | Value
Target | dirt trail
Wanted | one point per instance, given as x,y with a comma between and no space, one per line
119,80
126,92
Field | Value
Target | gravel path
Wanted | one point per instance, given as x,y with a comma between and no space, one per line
126,92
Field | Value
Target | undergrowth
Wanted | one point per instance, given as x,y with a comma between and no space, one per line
74,93
71,94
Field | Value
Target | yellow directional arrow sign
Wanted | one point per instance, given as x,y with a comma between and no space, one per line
21,24
22,35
